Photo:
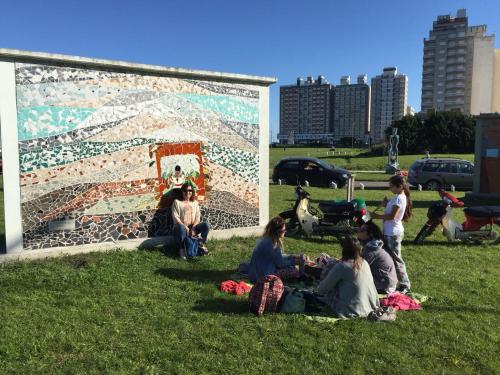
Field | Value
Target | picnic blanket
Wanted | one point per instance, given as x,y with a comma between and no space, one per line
400,301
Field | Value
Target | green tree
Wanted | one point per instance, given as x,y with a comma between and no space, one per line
439,132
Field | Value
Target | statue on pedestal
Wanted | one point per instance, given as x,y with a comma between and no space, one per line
392,155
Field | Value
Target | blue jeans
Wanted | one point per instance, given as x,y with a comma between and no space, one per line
394,248
180,232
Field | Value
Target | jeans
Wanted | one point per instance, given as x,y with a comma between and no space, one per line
180,232
394,248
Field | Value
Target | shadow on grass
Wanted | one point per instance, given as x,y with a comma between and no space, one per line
222,305
165,245
200,275
315,239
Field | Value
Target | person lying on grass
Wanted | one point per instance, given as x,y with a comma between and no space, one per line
379,259
268,258
348,288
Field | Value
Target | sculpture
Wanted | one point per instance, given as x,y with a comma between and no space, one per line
392,155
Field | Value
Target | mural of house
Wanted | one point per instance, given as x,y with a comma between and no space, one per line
90,147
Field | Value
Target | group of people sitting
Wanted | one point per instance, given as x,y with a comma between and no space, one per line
370,263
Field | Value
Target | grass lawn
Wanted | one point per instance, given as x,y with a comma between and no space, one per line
149,312
354,160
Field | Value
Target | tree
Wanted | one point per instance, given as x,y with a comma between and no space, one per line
440,132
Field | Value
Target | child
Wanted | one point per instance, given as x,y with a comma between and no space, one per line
380,261
268,259
397,210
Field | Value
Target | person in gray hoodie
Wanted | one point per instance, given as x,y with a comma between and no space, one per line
380,261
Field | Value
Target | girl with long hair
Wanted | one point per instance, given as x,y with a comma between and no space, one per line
380,261
268,257
348,288
397,210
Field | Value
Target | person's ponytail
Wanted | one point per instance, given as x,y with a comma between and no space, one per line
409,204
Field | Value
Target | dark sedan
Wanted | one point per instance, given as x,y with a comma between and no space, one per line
293,170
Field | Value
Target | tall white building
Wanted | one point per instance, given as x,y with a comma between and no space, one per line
389,94
458,66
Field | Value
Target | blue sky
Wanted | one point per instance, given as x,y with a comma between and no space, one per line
280,38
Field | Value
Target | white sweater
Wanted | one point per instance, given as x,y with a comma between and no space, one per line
178,213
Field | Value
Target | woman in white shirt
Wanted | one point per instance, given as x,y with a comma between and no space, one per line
187,220
397,210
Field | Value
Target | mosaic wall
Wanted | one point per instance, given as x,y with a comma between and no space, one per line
97,150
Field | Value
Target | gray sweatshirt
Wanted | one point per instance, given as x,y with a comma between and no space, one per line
381,265
349,294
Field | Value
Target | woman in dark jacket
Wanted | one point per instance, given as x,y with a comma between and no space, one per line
380,261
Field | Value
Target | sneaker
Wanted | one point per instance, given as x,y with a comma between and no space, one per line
403,289
183,253
382,314
203,250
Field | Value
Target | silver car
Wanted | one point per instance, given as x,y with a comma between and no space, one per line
435,173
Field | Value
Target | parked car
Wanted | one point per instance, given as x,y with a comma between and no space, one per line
435,173
293,170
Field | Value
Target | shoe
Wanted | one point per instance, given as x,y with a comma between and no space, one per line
403,289
183,253
203,250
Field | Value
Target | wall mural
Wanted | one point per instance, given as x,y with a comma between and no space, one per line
98,150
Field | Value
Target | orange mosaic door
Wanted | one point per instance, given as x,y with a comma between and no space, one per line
188,157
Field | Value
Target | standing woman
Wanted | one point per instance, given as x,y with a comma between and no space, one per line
186,216
397,210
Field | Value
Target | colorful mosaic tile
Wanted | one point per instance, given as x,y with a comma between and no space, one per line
97,148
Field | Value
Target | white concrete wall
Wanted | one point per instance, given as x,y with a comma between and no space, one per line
482,76
495,99
10,159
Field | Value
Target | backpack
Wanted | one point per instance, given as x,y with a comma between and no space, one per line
294,302
265,295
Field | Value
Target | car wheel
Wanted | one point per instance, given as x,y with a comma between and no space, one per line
336,182
433,185
283,181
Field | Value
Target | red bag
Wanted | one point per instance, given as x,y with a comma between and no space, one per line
265,295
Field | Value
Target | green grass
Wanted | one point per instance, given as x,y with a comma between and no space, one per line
354,160
147,312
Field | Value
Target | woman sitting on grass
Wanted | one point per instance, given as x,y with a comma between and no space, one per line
348,288
380,261
186,216
268,258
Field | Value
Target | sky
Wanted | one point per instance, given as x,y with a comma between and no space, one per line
284,39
